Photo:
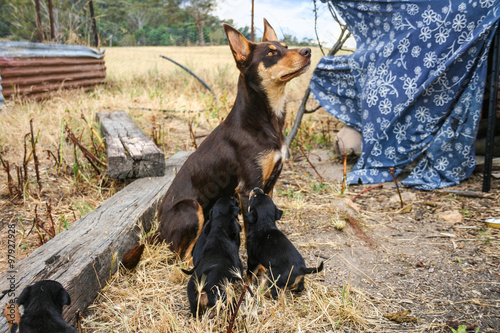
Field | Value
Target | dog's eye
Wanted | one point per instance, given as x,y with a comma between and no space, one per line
271,53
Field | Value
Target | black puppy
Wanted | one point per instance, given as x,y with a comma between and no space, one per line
270,250
43,304
215,256
224,206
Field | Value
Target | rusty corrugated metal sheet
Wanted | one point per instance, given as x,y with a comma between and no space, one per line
35,69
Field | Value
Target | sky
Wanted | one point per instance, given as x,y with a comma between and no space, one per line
295,17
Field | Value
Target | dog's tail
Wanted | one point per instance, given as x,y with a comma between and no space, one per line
311,270
132,257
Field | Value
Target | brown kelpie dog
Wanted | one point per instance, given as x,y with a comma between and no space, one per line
269,250
245,151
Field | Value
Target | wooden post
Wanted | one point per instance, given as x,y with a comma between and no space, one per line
252,28
85,257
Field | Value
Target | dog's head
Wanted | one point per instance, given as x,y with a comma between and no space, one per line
46,293
262,208
225,206
224,219
270,63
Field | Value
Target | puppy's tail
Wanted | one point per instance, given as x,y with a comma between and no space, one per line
311,270
132,257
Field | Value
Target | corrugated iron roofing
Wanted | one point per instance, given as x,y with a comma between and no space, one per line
37,69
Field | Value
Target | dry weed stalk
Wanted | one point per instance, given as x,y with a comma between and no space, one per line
391,170
310,163
91,158
35,157
10,184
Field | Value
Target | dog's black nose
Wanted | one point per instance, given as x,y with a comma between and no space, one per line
306,52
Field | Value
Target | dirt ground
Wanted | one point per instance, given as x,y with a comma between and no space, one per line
433,263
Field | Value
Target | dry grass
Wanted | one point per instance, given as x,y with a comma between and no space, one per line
152,298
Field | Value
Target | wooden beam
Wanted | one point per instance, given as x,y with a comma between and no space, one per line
85,257
130,152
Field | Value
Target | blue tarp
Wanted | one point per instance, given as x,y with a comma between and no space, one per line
413,87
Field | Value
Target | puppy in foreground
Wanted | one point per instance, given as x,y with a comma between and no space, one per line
270,250
43,304
215,257
245,151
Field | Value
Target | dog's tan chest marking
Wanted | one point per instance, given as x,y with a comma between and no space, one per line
267,163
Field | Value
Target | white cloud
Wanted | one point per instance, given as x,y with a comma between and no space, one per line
294,17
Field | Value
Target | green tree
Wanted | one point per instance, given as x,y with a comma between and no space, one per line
200,11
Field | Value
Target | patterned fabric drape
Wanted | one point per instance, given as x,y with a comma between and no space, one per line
413,87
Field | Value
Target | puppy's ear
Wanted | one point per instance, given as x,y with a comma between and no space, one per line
278,213
64,297
251,216
269,33
24,297
236,210
240,46
206,227
211,214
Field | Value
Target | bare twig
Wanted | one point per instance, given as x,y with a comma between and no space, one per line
52,229
310,163
391,170
366,190
192,133
233,317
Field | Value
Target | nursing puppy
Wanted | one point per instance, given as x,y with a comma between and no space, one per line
43,304
215,257
224,206
270,250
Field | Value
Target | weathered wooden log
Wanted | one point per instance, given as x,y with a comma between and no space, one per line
130,152
84,257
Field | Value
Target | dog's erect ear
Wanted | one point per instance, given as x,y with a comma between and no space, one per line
240,46
64,297
269,34
278,213
25,295
251,216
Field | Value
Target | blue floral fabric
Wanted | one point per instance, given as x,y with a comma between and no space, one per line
413,87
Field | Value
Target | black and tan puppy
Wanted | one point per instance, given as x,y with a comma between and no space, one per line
43,304
270,250
245,151
215,257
